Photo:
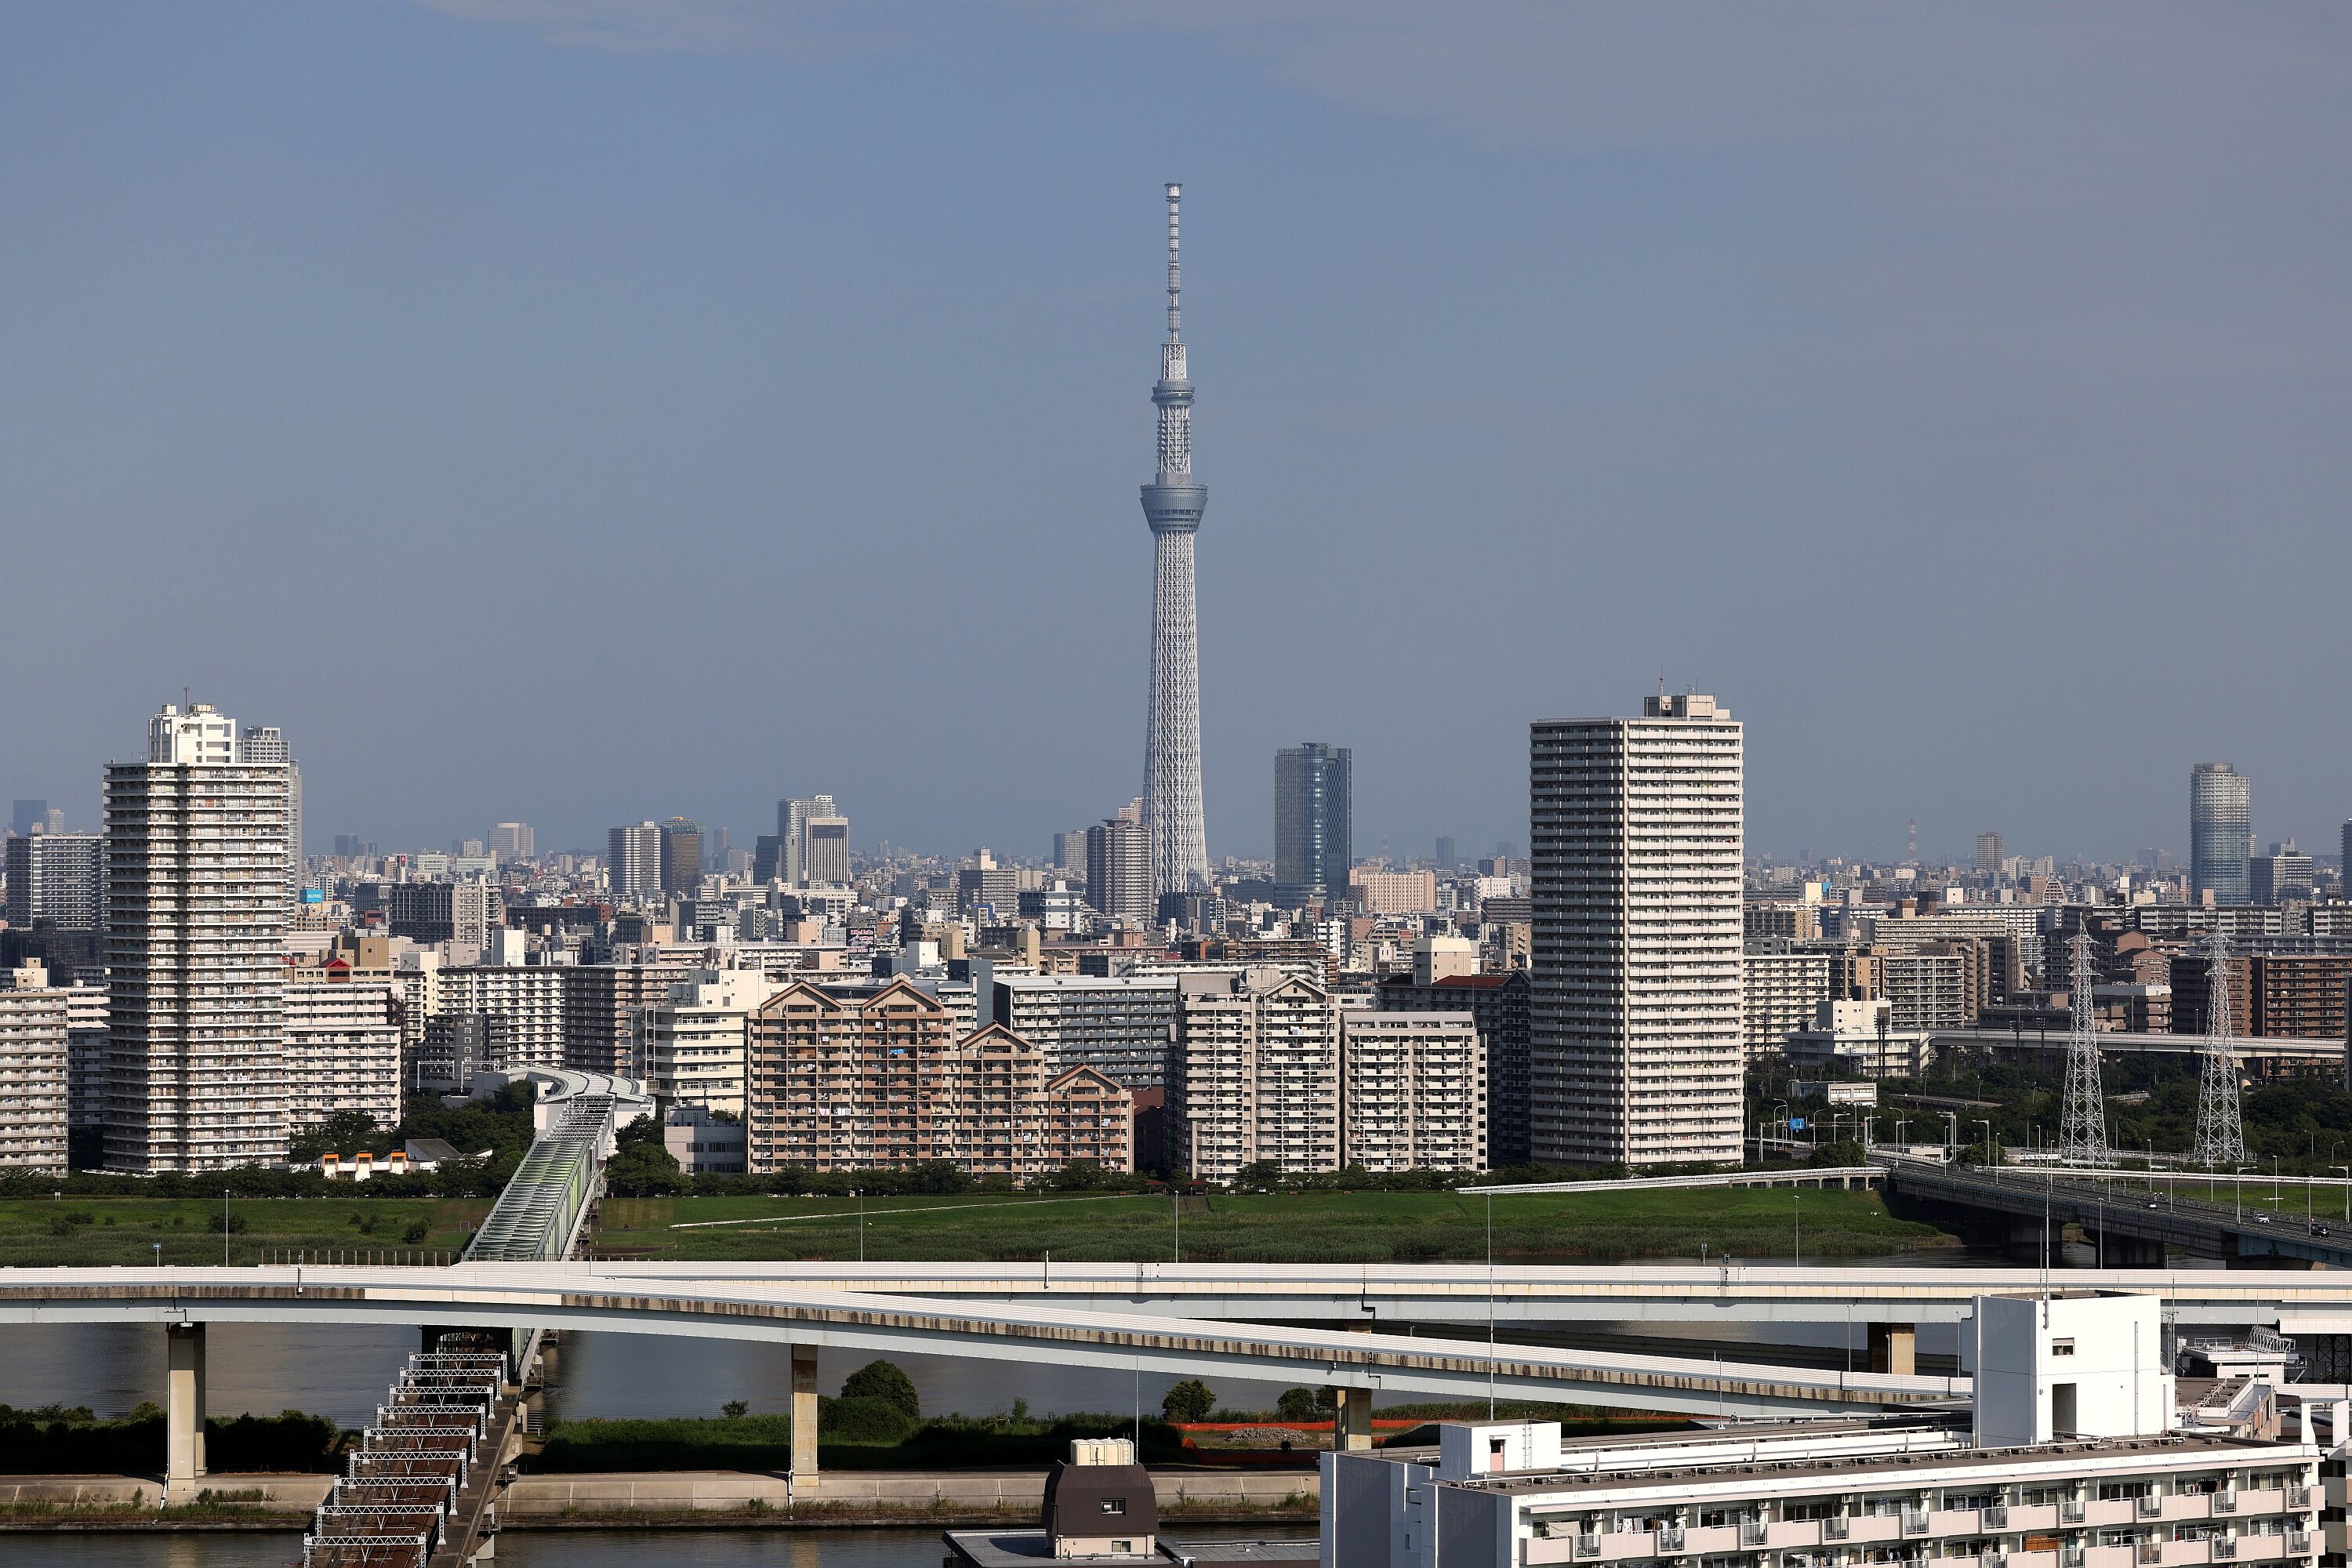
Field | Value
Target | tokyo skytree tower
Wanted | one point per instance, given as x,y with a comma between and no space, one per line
1172,504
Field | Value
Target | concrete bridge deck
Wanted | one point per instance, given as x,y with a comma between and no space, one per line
574,1298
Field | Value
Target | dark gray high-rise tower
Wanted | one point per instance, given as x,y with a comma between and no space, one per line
2220,833
1311,810
1172,504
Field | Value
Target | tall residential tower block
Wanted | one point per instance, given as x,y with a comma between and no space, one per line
1635,1055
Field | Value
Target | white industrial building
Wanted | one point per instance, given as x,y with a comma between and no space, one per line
2071,1455
1637,1044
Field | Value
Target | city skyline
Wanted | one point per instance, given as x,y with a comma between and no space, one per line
1841,348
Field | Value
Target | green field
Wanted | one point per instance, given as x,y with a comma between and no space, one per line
96,1231
1278,1228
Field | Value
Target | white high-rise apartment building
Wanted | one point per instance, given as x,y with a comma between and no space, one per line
529,1000
262,745
691,1046
1413,1091
196,898
1254,1074
34,1027
1637,1027
633,862
342,1049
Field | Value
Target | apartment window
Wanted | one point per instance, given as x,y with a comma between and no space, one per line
2061,1347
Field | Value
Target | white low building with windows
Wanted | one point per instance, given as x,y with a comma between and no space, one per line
2074,1455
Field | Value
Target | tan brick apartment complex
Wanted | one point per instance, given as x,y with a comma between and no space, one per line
881,1081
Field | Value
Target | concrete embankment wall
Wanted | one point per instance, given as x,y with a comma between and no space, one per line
987,1495
729,1497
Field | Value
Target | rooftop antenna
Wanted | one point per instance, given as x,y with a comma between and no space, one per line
2083,1124
2221,1132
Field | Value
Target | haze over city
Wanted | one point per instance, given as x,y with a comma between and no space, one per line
590,411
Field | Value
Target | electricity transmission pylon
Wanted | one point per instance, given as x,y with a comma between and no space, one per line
2221,1132
2083,1124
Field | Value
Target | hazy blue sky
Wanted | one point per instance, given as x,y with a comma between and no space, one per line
584,410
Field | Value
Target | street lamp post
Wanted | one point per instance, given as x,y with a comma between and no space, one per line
224,1227
2347,1188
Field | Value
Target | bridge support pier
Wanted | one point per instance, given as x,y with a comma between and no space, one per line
1894,1347
1351,1420
2130,1251
184,1407
804,1413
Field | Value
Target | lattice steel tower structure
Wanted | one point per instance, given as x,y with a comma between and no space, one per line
2082,1123
1172,504
2221,1134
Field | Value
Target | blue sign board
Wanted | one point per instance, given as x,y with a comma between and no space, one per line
1796,1124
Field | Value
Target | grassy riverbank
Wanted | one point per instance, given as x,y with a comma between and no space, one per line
1258,1227
53,1232
1273,1227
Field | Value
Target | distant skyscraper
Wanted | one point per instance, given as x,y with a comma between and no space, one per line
2221,832
1172,504
824,849
513,841
1989,854
1070,852
791,834
681,856
59,877
1311,820
25,816
1118,867
264,746
195,928
1446,859
632,857
2283,876
1636,1054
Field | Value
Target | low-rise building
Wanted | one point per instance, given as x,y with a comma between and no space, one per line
1859,1037
2073,1455
702,1144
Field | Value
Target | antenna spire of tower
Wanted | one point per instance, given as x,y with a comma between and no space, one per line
2221,1131
2083,1124
1175,275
